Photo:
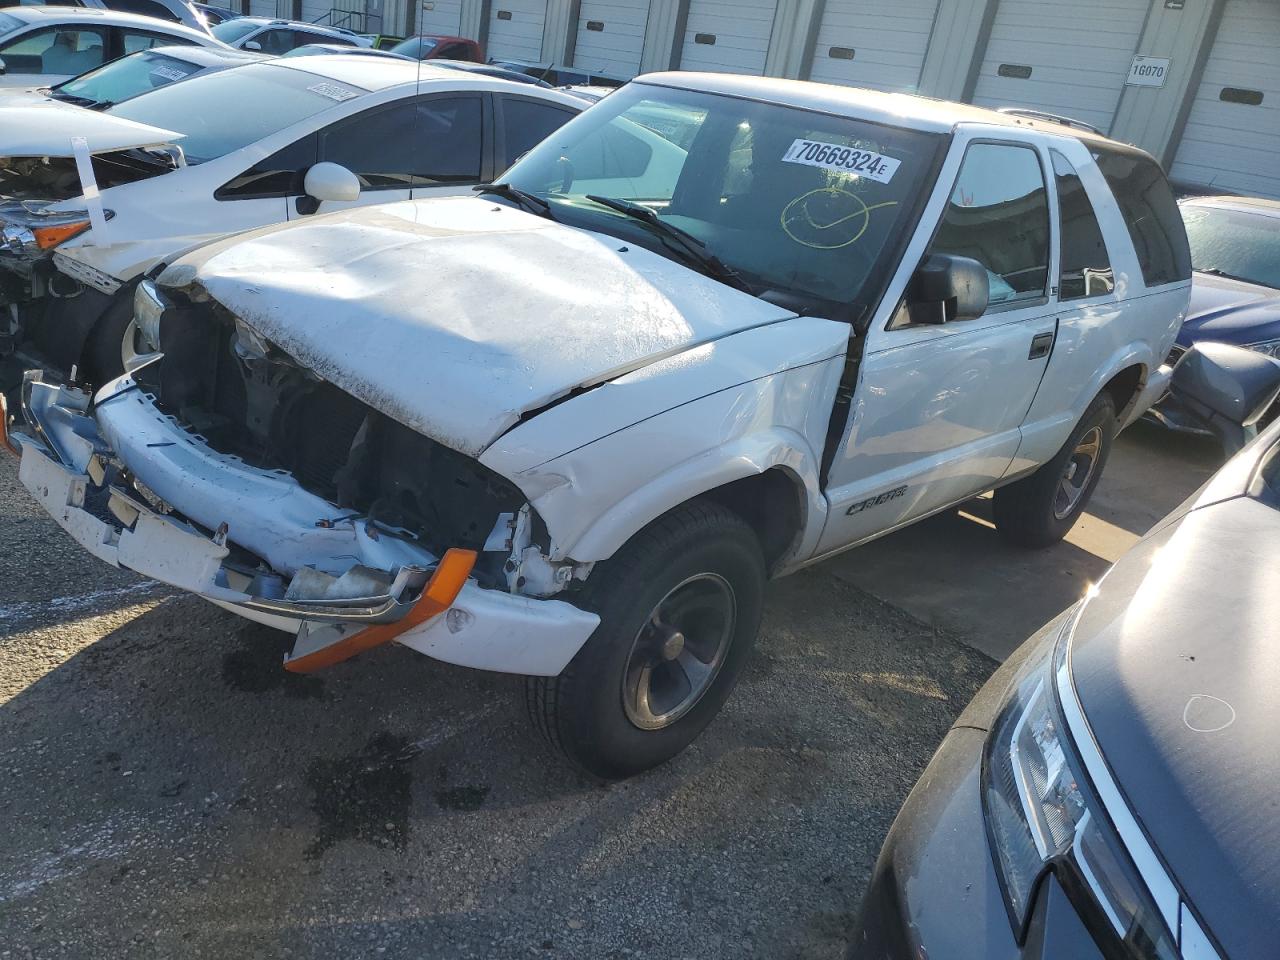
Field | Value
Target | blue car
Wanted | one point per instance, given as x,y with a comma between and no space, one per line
1235,287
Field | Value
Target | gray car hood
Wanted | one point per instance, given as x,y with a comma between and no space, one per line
1177,668
457,317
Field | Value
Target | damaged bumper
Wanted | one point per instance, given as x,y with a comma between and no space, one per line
254,542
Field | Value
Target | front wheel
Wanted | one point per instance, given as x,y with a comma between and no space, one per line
679,609
1039,510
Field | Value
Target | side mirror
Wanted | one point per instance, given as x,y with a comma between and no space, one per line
253,45
327,181
1227,389
947,288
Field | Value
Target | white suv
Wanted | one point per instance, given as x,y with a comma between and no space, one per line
569,428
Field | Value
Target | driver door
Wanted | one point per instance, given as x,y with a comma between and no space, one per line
938,408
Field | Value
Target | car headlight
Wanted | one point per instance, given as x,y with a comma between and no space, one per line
148,307
1270,347
1042,815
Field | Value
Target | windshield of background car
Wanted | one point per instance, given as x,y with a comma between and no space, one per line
229,31
127,77
1237,243
204,108
9,24
791,199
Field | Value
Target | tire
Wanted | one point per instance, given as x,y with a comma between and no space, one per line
1038,510
103,354
682,563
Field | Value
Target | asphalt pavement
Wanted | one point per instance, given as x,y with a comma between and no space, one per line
166,790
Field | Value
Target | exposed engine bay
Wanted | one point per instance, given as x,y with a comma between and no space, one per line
53,179
246,398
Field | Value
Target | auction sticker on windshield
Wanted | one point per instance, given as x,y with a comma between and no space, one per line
333,91
834,156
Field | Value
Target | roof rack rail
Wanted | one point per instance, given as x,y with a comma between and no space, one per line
1051,118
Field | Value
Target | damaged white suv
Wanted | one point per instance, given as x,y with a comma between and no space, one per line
569,427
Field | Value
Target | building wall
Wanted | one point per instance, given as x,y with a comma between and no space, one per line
1151,117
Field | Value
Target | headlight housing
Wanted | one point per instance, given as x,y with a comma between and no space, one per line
148,307
1270,347
1042,815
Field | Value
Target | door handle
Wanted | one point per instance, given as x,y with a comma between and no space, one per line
1041,344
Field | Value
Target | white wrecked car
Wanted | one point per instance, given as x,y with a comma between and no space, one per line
569,427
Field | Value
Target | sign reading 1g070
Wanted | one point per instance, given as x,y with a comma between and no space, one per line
1148,72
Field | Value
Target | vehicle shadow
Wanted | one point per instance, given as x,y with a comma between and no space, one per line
169,789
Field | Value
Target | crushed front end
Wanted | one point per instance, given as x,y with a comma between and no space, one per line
224,468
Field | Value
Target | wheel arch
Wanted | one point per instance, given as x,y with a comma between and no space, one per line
770,479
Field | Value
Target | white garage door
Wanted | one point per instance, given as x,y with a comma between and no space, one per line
611,36
727,36
867,43
316,11
1065,58
262,8
515,29
1232,139
439,16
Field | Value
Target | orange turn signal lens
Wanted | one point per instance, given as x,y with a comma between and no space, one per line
47,237
445,584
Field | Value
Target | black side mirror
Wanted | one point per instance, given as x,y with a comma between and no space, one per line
1226,388
947,288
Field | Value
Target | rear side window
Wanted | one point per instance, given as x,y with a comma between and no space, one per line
526,123
999,216
1085,270
1150,212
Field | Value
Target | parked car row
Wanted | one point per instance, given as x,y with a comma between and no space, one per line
372,351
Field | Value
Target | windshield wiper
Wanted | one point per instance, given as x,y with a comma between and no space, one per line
694,248
72,98
530,201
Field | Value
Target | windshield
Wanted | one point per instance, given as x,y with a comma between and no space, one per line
1234,243
416,47
229,31
8,23
203,108
788,199
124,78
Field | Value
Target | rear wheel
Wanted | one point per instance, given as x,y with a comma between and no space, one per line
1039,510
679,609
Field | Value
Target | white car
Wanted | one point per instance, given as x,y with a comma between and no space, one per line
278,37
278,140
569,427
175,11
41,46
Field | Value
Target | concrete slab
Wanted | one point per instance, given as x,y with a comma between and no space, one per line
954,572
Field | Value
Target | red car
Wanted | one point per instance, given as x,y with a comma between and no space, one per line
432,47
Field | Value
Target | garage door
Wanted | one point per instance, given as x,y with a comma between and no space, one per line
316,11
1066,58
727,36
439,16
262,8
866,43
515,29
611,36
1232,139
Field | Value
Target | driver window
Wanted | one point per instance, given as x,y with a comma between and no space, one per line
55,51
999,215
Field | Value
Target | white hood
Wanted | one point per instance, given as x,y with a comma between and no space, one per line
457,316
44,128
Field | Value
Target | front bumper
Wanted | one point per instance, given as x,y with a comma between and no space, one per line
935,892
269,537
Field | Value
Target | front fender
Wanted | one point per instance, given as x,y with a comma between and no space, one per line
595,498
